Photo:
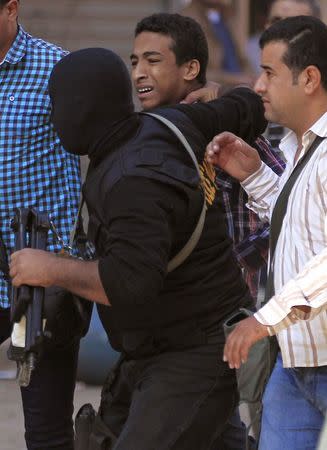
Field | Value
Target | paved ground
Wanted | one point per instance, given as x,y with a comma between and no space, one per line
11,417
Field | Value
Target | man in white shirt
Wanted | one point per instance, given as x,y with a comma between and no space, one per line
293,86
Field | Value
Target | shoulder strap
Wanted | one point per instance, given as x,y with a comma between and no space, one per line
184,253
77,222
279,212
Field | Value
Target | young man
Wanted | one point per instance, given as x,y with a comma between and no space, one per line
36,172
171,389
168,67
293,87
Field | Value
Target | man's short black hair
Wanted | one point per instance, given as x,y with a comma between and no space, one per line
188,37
306,38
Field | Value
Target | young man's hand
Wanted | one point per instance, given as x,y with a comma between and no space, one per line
209,92
241,339
233,155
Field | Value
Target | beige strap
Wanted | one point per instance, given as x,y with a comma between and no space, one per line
184,253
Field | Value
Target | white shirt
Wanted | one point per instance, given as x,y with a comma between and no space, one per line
300,263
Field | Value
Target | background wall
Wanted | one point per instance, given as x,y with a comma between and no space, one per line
75,24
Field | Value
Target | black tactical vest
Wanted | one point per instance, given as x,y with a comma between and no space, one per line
155,153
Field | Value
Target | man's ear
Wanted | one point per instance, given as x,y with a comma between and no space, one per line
12,9
192,69
311,79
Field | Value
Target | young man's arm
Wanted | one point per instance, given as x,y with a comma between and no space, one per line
252,251
243,162
240,111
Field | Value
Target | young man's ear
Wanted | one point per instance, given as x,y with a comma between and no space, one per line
192,69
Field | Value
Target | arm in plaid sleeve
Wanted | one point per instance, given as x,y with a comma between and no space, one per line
252,252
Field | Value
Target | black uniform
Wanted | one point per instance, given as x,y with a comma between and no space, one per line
172,390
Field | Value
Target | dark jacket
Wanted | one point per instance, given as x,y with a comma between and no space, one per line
144,199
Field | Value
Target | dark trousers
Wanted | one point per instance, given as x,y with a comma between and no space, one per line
48,400
175,400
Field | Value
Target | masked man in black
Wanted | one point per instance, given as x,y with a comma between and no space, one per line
144,199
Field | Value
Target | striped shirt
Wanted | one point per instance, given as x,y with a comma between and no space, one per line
35,171
300,263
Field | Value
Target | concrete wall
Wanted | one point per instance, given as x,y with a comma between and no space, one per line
75,24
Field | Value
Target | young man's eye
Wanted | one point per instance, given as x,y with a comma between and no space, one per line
133,63
153,61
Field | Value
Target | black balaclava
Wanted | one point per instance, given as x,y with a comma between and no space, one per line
92,106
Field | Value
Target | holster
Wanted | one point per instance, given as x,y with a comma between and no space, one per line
83,426
91,433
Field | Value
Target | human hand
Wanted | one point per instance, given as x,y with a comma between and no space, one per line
233,155
32,267
240,340
208,92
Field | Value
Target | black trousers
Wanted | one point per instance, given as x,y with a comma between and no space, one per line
177,400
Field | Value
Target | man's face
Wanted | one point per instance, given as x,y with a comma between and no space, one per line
281,95
8,26
157,79
282,9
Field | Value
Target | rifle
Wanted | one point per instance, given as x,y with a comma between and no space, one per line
31,230
4,266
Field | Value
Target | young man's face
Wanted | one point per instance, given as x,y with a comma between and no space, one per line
281,95
157,79
282,9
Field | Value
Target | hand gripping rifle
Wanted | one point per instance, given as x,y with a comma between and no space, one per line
31,230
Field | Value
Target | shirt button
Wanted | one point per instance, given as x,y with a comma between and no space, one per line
11,98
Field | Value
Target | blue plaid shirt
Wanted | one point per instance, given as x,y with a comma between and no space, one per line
35,171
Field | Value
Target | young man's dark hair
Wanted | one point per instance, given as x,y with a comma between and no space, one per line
305,38
189,39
